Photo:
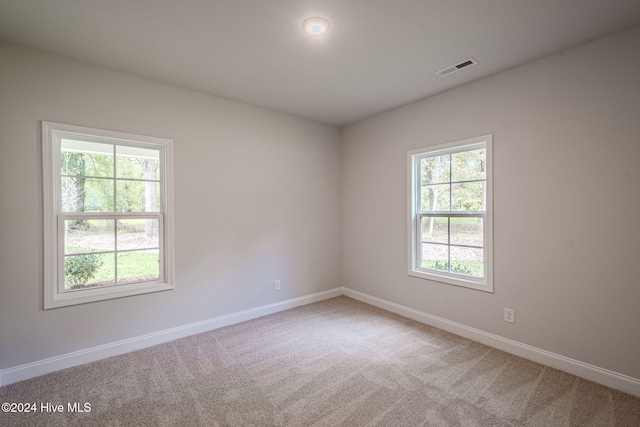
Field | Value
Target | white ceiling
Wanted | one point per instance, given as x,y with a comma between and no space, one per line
378,54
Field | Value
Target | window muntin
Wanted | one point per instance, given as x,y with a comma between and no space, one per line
450,213
108,222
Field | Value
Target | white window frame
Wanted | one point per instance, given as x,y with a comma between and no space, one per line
54,293
413,199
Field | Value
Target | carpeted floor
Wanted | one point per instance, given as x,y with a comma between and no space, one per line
334,363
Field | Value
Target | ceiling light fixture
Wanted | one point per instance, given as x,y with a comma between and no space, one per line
316,26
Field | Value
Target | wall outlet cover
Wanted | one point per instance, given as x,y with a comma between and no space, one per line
509,315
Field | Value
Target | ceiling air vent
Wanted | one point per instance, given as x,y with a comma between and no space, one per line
450,70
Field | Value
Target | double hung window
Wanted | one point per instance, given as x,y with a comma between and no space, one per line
450,213
107,213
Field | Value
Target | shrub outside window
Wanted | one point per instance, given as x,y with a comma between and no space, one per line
107,212
450,213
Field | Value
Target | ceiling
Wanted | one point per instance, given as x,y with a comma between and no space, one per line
377,55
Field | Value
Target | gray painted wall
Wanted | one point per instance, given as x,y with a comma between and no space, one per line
566,202
257,198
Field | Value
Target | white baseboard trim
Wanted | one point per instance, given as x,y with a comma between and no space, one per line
41,367
593,373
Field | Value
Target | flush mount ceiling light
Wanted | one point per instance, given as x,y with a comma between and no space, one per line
316,26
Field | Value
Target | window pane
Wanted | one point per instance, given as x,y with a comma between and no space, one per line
137,163
434,230
468,196
86,271
467,231
434,256
138,234
137,196
138,266
86,158
86,194
467,261
435,170
435,197
468,165
92,235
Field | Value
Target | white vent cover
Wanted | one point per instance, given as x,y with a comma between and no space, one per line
452,69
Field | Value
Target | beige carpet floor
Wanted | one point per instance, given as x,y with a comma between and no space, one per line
334,363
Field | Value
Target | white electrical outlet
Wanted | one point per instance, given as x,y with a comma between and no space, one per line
509,315
276,285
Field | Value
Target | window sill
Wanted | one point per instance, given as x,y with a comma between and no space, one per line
480,284
62,299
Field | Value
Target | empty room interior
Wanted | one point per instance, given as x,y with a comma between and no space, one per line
330,213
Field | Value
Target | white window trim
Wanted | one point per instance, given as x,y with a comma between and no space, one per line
413,198
53,251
